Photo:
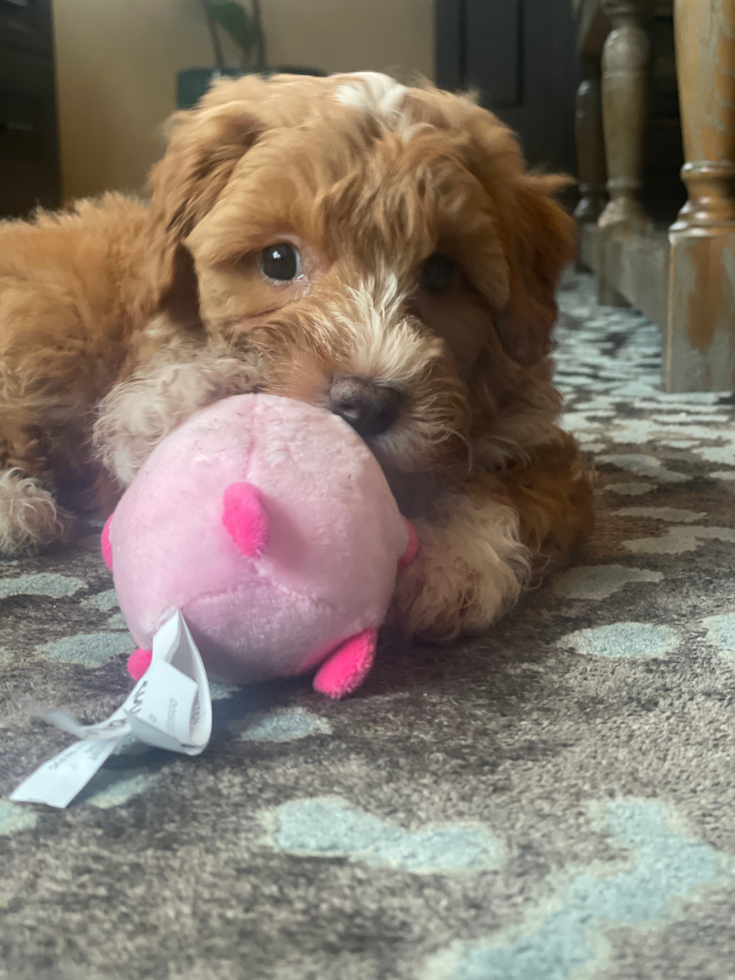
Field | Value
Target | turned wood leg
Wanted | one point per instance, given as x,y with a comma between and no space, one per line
590,144
699,352
624,112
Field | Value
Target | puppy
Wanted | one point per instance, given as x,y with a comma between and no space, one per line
377,250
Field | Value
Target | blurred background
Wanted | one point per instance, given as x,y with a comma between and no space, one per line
86,84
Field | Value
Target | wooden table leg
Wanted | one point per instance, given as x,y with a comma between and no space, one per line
700,342
590,144
624,112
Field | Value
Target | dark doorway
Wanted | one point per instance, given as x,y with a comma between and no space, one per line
520,55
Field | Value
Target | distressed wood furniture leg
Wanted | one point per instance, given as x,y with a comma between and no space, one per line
699,352
590,144
624,111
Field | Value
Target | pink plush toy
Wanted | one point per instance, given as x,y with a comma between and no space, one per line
270,525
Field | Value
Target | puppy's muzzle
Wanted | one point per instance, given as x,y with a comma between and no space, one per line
371,409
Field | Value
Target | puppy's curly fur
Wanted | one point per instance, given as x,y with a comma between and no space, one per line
136,315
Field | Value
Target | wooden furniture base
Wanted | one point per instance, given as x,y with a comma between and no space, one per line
680,275
636,267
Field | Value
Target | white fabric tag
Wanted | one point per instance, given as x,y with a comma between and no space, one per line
170,707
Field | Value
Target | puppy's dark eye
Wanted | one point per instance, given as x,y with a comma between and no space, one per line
281,262
437,273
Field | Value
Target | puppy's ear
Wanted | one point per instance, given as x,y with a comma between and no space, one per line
540,241
535,233
205,145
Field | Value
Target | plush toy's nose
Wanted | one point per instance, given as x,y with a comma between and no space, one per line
370,408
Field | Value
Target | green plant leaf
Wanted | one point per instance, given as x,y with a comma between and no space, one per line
236,21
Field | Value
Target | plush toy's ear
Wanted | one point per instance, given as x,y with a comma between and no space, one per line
106,544
205,145
412,548
246,519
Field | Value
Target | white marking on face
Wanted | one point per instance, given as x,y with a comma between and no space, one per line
377,95
383,344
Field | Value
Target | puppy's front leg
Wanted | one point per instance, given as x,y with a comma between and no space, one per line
29,515
471,568
484,544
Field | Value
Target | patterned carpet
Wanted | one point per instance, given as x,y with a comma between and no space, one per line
553,801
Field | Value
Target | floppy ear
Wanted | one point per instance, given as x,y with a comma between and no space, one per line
539,243
205,144
536,234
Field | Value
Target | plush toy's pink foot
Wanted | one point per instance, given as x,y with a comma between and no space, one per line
348,666
138,663
105,545
412,549
246,518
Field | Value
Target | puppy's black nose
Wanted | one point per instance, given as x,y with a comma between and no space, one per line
370,408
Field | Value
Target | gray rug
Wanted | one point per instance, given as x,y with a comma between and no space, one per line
553,801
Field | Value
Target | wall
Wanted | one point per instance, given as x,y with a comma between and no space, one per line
117,61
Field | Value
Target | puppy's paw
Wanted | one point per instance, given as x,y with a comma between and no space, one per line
471,569
29,516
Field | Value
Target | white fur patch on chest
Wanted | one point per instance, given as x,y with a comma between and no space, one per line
376,95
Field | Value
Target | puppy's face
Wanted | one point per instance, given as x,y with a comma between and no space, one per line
379,249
